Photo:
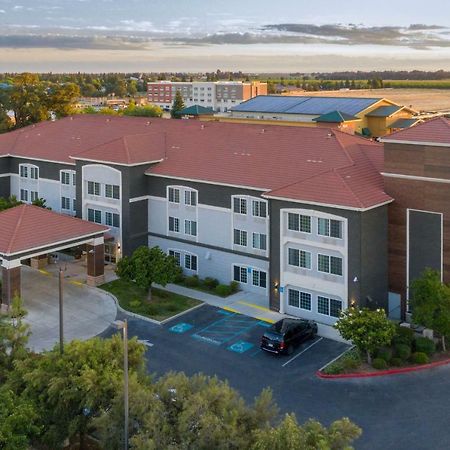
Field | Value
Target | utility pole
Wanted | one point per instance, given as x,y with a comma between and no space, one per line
61,308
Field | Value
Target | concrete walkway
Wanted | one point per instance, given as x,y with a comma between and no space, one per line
87,311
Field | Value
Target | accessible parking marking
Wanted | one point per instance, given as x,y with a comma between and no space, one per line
240,347
303,351
180,328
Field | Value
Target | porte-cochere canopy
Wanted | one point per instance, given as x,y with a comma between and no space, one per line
28,231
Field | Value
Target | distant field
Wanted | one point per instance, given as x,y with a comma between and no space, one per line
418,99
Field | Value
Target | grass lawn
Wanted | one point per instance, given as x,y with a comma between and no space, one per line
164,304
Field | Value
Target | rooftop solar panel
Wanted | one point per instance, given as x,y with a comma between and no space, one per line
270,104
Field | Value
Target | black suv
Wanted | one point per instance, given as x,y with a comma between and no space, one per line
286,334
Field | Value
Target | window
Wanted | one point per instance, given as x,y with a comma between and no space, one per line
240,237
94,215
23,171
240,274
259,278
34,195
112,219
174,224
329,227
190,262
298,222
34,173
174,195
305,301
190,227
260,241
259,208
74,204
23,195
299,299
65,178
329,264
65,203
299,258
329,306
112,191
93,188
239,205
190,198
176,255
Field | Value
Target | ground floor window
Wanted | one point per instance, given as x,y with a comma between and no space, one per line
329,306
240,274
190,262
259,278
23,195
299,299
110,253
176,255
34,195
94,215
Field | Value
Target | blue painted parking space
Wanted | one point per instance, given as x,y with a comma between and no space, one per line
180,328
240,347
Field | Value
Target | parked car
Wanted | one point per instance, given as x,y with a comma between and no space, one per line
286,334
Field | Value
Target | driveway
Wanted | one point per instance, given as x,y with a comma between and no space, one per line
407,411
87,311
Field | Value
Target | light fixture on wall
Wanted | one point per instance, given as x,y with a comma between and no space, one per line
276,286
355,280
353,303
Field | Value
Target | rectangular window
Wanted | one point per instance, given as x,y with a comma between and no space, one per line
174,224
112,191
74,204
240,274
34,195
329,264
94,215
240,237
65,203
299,222
335,307
174,195
190,262
260,241
305,301
23,171
294,298
65,178
93,188
335,265
259,208
190,198
34,173
112,219
176,255
323,305
74,178
299,258
329,227
190,227
239,205
23,195
323,263
259,278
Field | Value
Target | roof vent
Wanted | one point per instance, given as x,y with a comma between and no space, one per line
329,135
148,123
108,119
202,126
263,130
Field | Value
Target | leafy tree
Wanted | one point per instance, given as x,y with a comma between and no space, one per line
41,202
62,99
178,105
430,303
143,111
289,435
367,329
10,202
147,266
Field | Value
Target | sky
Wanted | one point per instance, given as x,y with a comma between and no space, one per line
204,35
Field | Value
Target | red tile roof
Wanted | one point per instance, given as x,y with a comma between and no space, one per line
319,164
27,227
436,131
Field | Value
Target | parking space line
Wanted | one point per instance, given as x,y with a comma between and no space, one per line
252,305
303,351
263,319
227,308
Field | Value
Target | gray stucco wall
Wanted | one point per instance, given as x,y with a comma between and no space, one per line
46,169
5,187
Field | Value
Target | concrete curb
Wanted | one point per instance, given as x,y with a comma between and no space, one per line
381,373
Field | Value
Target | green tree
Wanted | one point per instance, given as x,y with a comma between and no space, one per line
367,329
143,111
289,435
147,266
430,303
178,106
10,202
62,99
41,202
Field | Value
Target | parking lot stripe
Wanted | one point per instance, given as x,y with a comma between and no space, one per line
227,308
303,351
263,319
252,305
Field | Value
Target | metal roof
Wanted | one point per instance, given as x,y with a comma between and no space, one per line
404,123
384,111
335,117
305,105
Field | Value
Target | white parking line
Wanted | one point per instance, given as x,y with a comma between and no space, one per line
145,342
303,351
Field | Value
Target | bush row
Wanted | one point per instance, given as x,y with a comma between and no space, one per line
208,284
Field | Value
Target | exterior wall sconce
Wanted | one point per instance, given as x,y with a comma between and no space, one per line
276,286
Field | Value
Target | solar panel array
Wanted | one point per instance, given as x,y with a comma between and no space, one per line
304,105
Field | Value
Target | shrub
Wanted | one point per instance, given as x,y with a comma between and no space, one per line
396,362
234,286
223,290
192,281
211,283
384,353
419,358
379,364
180,278
403,335
346,363
135,303
424,345
402,351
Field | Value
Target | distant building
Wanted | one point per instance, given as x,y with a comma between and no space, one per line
218,95
371,117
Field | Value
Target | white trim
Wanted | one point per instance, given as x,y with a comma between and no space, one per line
139,199
207,182
11,264
103,162
415,177
431,144
328,205
4,175
40,159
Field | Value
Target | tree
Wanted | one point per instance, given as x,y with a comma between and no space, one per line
367,329
143,111
10,202
289,435
147,266
178,106
430,303
62,99
41,202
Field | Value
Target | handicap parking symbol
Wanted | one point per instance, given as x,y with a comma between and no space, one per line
240,347
181,328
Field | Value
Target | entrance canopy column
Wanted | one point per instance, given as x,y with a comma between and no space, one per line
11,282
96,261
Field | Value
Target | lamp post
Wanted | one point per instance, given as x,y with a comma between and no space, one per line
61,311
123,325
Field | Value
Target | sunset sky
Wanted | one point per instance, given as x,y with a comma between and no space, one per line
250,35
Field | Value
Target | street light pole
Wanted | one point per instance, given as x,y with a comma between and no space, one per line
61,308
